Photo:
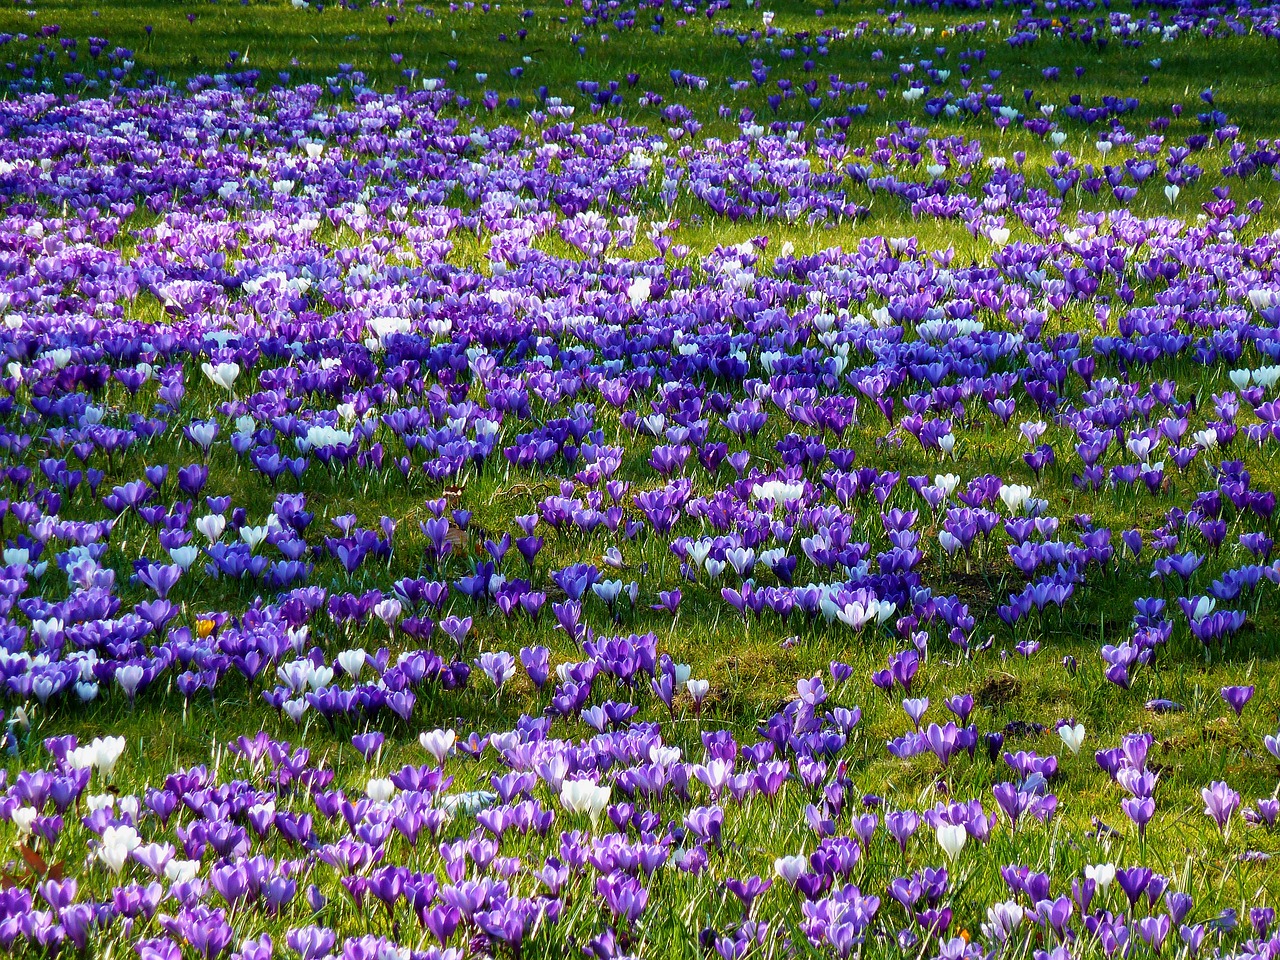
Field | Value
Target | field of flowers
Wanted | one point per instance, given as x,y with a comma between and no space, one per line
633,478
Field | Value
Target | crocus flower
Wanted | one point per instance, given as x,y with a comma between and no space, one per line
585,796
1236,697
438,743
951,838
1220,802
1072,735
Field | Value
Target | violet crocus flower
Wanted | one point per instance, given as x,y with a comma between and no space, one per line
961,705
1220,802
1236,697
915,709
902,824
1140,810
748,890
368,744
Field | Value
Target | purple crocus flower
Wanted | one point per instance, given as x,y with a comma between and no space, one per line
1236,697
1220,802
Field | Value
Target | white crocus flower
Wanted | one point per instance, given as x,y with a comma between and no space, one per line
438,743
1101,873
117,844
951,839
1072,736
790,868
584,796
222,375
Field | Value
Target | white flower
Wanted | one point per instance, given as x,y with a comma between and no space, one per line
951,839
297,637
856,614
380,790
130,677
790,868
295,673
742,559
352,662
388,610
319,677
584,796
1002,919
1072,736
472,801
223,374
438,743
639,291
254,536
1263,299
323,437
117,844
203,434
181,871
23,818
698,689
1014,496
1101,873
947,482
185,556
103,754
1206,438
44,629
1140,447
211,526
1203,607
777,492
109,750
